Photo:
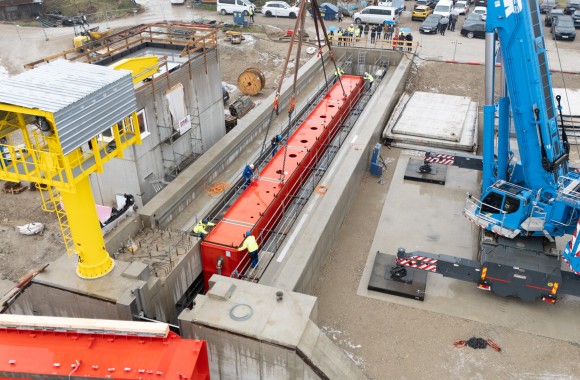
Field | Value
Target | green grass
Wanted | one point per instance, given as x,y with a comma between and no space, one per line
74,7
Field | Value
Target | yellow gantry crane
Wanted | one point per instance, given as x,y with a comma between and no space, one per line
59,123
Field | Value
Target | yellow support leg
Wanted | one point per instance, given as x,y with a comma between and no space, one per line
94,260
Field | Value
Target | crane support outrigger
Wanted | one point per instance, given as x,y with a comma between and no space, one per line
524,204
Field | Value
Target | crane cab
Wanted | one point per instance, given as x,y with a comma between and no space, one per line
503,208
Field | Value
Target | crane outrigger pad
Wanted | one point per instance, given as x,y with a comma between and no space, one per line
437,174
382,281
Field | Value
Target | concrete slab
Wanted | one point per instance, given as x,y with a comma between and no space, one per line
432,115
60,274
436,120
423,216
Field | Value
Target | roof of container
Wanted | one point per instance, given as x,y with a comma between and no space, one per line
56,85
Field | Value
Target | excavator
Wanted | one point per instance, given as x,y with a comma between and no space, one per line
85,34
529,198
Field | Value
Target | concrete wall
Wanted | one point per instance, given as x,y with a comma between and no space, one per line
182,191
126,292
157,156
278,340
307,255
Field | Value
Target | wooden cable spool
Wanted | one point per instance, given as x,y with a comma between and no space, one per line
251,81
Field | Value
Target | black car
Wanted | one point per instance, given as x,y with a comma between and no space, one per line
571,7
553,13
548,5
563,28
473,29
576,18
430,24
481,3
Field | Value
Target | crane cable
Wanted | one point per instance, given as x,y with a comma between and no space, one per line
316,9
567,99
284,68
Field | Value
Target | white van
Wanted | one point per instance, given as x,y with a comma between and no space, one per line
231,6
444,8
376,15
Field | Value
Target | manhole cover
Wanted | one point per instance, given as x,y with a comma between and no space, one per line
241,312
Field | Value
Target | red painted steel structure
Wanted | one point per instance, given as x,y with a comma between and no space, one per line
41,354
262,204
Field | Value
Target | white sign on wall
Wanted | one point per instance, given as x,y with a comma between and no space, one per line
184,125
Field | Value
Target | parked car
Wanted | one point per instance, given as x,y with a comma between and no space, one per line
576,18
481,11
481,3
376,15
473,17
563,28
548,5
279,9
461,7
443,8
473,29
571,7
429,26
553,13
428,3
421,12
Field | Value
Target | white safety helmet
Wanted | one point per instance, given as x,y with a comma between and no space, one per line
251,166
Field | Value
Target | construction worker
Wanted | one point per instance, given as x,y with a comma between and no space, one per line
200,228
251,244
276,140
350,31
369,79
248,175
251,11
338,72
339,36
357,34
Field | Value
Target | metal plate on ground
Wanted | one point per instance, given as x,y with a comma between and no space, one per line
437,175
381,281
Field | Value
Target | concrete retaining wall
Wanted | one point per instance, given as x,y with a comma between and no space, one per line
307,255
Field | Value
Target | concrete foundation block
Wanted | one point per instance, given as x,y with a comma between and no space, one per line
137,270
221,290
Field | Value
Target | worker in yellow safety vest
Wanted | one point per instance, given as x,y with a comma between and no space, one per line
357,34
338,72
200,228
339,37
369,79
251,245
350,31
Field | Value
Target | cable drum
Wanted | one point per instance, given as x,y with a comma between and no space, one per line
251,81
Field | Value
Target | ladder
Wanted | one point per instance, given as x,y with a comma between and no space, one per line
362,58
51,202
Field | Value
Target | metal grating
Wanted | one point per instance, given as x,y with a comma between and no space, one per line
85,99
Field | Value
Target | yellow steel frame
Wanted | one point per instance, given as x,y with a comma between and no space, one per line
42,160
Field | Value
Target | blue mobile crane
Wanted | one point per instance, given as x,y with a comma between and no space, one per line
525,204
